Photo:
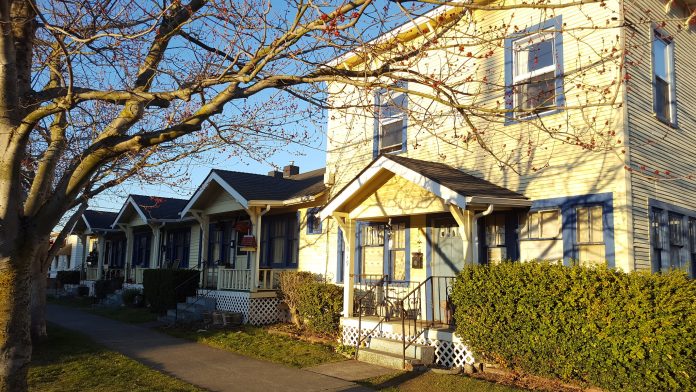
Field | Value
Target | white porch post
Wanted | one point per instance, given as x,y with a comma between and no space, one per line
465,220
204,221
155,246
129,250
83,238
101,248
348,228
255,215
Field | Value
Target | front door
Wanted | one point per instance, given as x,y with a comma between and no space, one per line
447,261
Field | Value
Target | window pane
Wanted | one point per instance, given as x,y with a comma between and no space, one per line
540,55
398,264
597,232
656,230
538,92
676,230
660,57
583,225
662,98
549,224
392,134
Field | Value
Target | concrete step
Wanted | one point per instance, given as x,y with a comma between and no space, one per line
197,308
208,302
386,359
184,315
426,354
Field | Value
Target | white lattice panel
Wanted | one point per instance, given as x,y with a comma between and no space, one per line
447,353
230,301
132,286
264,311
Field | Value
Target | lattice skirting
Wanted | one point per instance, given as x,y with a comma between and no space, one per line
90,284
448,353
256,311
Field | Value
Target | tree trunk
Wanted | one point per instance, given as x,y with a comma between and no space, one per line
15,340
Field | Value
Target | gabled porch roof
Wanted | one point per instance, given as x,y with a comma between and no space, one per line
94,221
150,209
249,189
453,186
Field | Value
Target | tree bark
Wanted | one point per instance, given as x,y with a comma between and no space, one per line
38,298
15,288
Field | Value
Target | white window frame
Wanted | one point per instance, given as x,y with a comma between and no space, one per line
658,34
519,45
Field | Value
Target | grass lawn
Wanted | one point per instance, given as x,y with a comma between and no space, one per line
68,361
429,381
123,313
257,342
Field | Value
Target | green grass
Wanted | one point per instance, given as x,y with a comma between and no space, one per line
68,361
256,342
123,313
429,381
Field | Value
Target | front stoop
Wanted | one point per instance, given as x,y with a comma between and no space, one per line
389,353
188,312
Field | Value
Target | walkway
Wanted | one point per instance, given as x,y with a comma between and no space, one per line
198,364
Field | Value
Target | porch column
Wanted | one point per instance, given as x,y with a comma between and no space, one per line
255,215
348,228
204,223
465,221
83,238
155,248
129,251
101,248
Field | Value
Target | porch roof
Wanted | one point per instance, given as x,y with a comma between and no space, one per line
258,189
94,221
450,184
151,209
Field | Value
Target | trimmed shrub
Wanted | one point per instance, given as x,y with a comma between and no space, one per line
82,291
618,331
290,283
132,297
320,305
68,277
164,288
102,288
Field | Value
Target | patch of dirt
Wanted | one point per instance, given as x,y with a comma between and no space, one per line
300,333
526,381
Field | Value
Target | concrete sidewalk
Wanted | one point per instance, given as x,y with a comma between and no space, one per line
195,363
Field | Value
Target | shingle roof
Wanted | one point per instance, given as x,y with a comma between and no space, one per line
155,207
455,179
262,187
99,220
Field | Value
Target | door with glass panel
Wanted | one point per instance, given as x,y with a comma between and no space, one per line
447,261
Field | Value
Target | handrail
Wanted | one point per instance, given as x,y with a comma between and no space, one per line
360,300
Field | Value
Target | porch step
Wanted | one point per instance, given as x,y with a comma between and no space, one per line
208,302
194,308
184,316
386,359
425,354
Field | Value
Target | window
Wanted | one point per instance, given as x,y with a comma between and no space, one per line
590,235
280,241
390,114
495,230
664,91
397,251
541,225
372,241
534,64
313,221
677,258
141,251
177,248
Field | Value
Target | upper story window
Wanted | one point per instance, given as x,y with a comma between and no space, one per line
390,121
534,70
541,225
664,89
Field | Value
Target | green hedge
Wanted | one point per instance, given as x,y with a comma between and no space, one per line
312,302
68,277
320,307
632,332
159,287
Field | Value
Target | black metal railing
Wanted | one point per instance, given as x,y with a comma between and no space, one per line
365,303
428,305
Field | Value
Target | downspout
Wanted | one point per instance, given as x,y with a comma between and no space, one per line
474,230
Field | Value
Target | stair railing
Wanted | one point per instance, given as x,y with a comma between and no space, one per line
368,301
438,309
198,296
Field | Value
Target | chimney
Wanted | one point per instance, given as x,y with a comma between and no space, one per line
291,170
275,173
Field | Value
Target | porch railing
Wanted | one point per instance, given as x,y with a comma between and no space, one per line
91,273
138,275
428,305
269,279
365,304
113,273
233,279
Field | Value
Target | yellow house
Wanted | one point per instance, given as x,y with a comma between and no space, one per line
519,134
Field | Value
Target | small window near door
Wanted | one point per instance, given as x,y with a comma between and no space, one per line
495,230
313,221
590,235
372,239
540,225
397,252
